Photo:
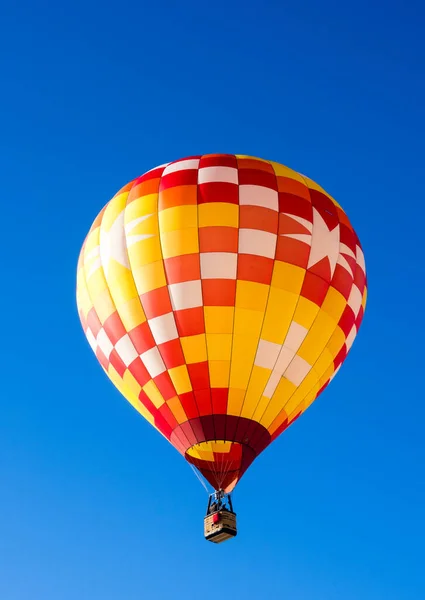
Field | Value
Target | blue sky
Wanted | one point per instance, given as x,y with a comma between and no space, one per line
94,94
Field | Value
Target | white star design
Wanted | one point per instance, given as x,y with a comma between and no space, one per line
324,242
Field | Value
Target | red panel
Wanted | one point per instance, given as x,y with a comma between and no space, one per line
189,405
340,356
165,386
190,321
292,251
178,196
347,320
295,205
218,191
93,322
253,164
360,279
156,303
218,239
359,318
257,177
343,218
117,363
188,432
258,217
287,185
182,268
314,288
142,338
219,292
102,358
219,400
172,353
183,177
143,188
218,160
199,375
289,225
342,281
165,411
203,402
153,174
347,237
322,269
326,208
139,372
255,268
114,328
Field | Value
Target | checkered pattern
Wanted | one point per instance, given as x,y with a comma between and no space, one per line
221,295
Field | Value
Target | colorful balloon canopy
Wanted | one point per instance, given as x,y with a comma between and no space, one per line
221,294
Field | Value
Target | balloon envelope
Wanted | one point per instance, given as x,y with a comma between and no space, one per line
221,294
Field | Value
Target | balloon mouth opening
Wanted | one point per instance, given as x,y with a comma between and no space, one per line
218,451
221,462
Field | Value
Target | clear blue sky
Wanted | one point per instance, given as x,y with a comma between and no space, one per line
94,94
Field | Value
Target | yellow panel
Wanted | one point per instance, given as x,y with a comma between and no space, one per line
129,395
305,312
287,277
243,355
218,319
257,383
221,446
219,346
248,322
153,393
324,362
219,373
121,283
177,218
145,205
317,337
251,295
336,342
311,380
113,211
283,171
218,214
96,284
83,299
104,306
263,160
364,299
180,378
235,401
205,455
148,225
283,392
131,313
176,243
92,242
131,383
145,252
279,315
194,348
334,304
326,375
177,410
261,407
150,277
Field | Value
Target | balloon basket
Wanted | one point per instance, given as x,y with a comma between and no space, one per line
220,520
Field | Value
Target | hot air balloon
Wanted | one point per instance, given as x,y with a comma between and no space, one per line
221,294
